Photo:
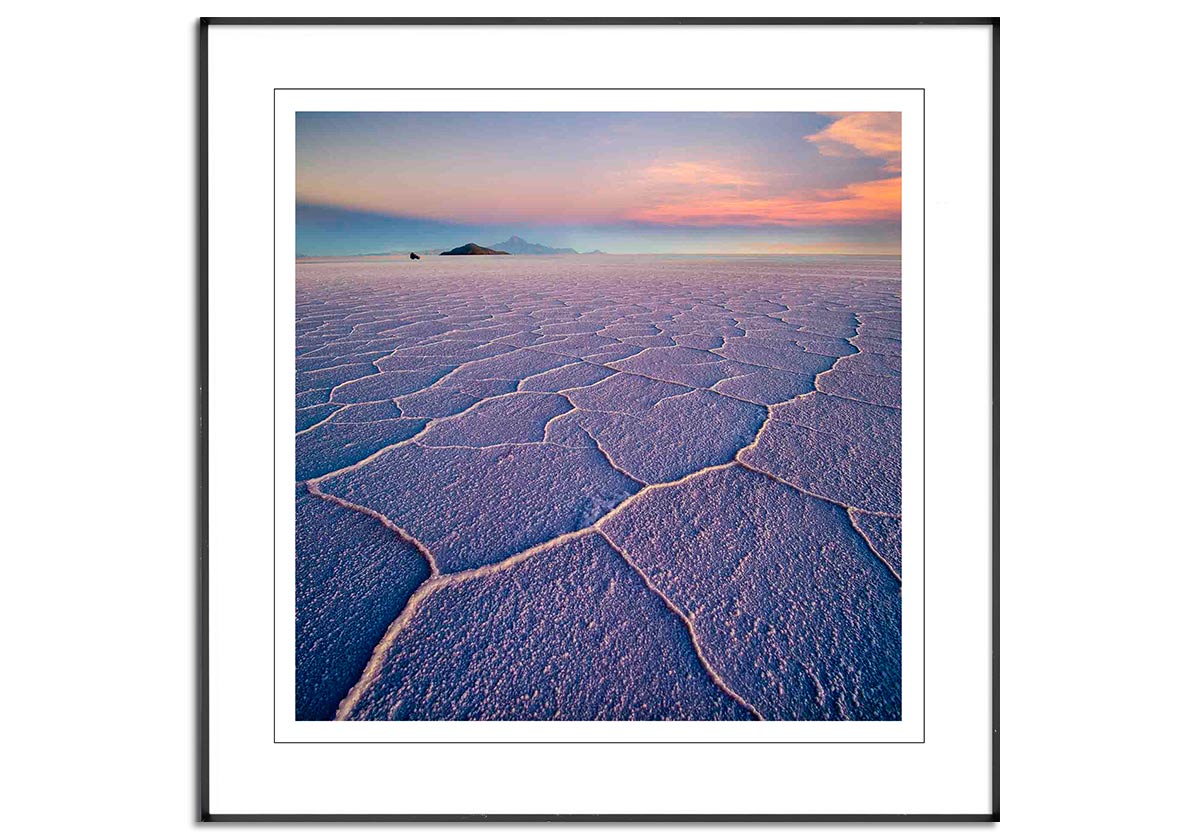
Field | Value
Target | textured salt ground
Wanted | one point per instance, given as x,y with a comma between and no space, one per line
879,390
510,418
835,448
330,377
435,402
767,386
871,364
307,416
882,533
387,385
810,634
476,506
333,446
489,420
352,578
678,436
571,634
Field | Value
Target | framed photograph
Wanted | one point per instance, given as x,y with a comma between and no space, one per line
557,458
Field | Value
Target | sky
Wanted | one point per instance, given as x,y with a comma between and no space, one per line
650,182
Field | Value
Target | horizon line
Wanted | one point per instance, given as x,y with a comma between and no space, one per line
404,255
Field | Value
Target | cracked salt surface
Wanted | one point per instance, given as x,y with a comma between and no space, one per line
598,489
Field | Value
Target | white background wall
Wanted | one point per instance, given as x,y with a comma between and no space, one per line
1099,457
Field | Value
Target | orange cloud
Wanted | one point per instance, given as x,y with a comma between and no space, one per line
868,133
868,201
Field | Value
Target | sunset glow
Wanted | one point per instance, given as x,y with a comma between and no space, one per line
620,182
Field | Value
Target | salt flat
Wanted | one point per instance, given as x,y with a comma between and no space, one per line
598,488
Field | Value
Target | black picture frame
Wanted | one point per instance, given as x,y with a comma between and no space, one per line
204,812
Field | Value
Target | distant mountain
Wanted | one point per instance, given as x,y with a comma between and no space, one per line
596,251
517,245
471,250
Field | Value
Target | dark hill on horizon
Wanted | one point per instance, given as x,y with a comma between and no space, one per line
472,250
517,245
